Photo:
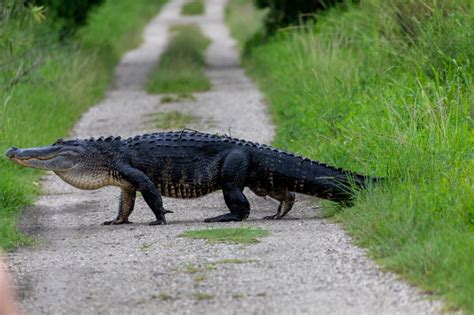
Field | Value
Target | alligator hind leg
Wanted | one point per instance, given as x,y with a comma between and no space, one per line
233,177
287,200
127,203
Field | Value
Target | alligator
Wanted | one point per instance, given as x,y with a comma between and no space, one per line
190,164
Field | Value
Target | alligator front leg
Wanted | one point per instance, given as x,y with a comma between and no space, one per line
127,203
287,200
141,182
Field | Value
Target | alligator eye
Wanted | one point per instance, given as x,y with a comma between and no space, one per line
59,141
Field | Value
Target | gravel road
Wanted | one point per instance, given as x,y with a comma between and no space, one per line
307,266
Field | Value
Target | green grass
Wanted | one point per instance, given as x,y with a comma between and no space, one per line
165,297
178,98
181,67
386,88
202,296
244,20
45,85
173,120
232,261
241,235
195,7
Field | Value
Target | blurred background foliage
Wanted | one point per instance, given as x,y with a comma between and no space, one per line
291,12
67,14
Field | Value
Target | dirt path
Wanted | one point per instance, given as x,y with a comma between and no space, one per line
307,265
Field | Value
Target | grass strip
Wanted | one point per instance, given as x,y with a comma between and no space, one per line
386,88
195,7
173,120
55,81
181,67
241,235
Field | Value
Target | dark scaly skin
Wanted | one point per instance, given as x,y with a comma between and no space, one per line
189,165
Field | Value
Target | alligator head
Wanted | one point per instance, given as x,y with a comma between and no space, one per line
61,156
77,162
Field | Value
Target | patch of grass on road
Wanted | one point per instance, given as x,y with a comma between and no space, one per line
202,296
181,67
178,98
241,235
165,297
173,120
46,83
195,7
232,261
387,88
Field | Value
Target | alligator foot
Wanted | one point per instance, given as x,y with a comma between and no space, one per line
271,217
160,217
157,222
228,217
117,222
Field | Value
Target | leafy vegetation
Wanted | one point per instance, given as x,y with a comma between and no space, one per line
386,88
195,7
241,235
67,15
291,12
45,84
181,67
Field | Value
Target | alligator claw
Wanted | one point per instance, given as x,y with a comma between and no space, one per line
228,217
158,222
160,218
271,217
116,222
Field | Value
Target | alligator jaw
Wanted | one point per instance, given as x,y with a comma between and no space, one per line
39,157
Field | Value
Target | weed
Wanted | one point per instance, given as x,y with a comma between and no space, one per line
241,235
232,261
201,296
146,246
192,269
165,297
200,277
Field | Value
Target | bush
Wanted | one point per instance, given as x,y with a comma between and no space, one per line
69,14
287,12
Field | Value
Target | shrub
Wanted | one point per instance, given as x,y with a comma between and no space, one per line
287,12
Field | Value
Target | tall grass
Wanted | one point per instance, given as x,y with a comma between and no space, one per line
245,21
45,85
181,67
386,88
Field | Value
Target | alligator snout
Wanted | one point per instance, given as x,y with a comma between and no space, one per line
11,152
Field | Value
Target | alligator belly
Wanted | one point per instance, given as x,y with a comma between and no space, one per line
186,191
